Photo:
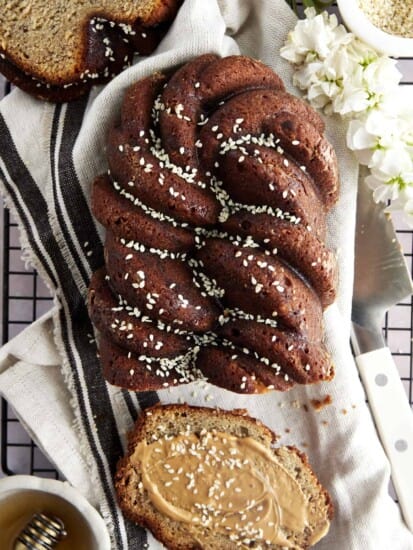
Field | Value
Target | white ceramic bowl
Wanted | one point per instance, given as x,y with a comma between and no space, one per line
20,484
358,22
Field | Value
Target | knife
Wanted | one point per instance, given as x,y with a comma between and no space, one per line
381,280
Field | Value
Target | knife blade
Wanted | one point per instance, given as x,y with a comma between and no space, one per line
381,280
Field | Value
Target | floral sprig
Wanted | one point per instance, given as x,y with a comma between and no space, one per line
341,74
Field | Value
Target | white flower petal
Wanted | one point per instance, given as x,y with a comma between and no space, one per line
391,162
382,75
350,101
358,137
385,192
405,207
379,123
317,36
364,156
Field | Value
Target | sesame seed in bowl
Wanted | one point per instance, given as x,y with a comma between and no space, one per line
386,25
391,16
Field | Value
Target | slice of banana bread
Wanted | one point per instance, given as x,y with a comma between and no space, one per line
209,478
56,50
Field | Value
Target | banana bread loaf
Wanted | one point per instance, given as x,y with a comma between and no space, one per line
215,207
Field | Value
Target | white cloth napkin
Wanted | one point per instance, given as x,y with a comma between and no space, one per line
48,158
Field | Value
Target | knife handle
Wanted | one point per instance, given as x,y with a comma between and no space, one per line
394,421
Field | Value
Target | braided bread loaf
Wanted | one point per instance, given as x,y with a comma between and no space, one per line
215,209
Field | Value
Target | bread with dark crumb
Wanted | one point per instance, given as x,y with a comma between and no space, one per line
57,50
169,421
215,207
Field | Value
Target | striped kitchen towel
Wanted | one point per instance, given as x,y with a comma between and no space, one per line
49,156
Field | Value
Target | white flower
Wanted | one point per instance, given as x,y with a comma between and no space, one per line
362,142
389,159
307,75
353,97
314,37
381,76
398,107
338,73
324,81
405,206
361,52
392,178
382,124
367,132
365,86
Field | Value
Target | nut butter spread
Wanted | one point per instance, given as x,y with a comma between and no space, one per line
233,485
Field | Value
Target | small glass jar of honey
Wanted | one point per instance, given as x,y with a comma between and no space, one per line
49,512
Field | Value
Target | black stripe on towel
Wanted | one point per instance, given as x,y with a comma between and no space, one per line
102,421
75,328
37,222
147,399
130,404
33,200
82,227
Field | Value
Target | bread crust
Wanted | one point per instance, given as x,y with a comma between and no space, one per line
90,65
303,250
123,219
144,335
169,532
124,369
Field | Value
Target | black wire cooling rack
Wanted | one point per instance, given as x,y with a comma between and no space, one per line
25,298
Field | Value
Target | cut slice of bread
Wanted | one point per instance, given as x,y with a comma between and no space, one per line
57,50
146,498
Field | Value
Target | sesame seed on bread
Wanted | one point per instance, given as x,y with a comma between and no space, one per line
57,50
170,421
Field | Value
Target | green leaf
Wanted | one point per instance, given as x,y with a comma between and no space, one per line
319,5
